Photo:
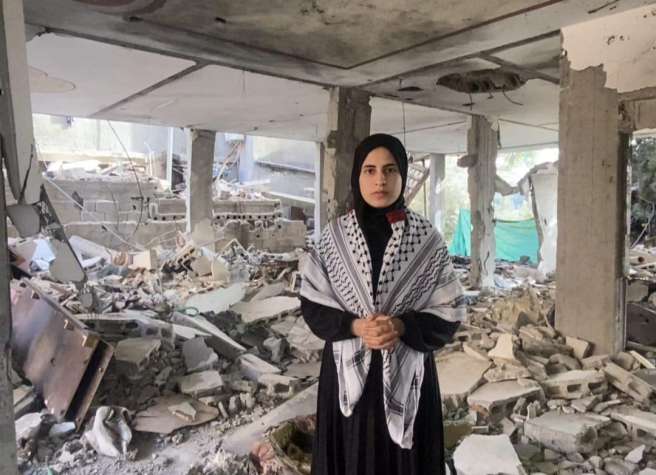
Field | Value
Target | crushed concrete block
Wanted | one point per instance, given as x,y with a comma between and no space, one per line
198,356
595,362
305,370
159,419
475,352
278,385
201,384
132,354
636,455
486,454
496,400
640,423
266,309
253,367
566,433
27,427
460,374
575,384
629,383
581,348
504,351
546,348
218,300
506,372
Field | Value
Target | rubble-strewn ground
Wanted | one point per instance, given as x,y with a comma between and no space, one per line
208,342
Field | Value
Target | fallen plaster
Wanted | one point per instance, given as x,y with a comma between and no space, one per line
622,43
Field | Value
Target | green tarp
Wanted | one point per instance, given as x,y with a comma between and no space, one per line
514,238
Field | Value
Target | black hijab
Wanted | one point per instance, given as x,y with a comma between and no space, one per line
373,221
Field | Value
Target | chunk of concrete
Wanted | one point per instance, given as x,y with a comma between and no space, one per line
496,400
627,382
269,290
575,384
504,351
27,427
253,367
276,346
581,348
278,385
184,410
198,356
218,340
640,423
266,309
566,433
636,455
506,372
61,430
460,374
110,433
486,454
218,300
201,384
595,362
305,344
159,418
133,354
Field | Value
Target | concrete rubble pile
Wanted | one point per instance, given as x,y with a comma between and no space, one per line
521,398
641,297
204,339
214,366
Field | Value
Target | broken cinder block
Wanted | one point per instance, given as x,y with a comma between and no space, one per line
575,384
566,433
497,400
629,383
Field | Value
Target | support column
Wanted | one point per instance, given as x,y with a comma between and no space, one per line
482,153
200,161
349,121
436,197
592,174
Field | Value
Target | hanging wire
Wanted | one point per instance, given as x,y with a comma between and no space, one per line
142,198
510,100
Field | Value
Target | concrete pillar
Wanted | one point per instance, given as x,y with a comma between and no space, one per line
200,161
349,121
592,175
435,186
482,150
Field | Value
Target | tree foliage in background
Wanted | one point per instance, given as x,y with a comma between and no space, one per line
643,192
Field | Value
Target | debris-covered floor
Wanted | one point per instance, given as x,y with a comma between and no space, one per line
197,360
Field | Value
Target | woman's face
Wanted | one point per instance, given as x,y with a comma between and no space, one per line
380,179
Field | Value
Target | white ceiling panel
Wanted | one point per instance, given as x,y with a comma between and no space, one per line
78,77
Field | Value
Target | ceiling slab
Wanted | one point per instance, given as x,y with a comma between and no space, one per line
344,43
78,77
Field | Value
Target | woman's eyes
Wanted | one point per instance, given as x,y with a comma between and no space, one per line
386,171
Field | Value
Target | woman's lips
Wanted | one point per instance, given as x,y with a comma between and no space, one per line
379,194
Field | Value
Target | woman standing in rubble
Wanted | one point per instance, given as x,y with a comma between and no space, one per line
381,291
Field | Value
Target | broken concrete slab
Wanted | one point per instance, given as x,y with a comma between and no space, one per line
304,344
241,441
460,374
198,356
636,455
269,290
266,309
132,354
486,454
184,410
218,340
506,372
159,418
276,347
566,433
218,300
496,400
627,382
253,367
200,384
279,385
61,430
304,370
575,384
595,362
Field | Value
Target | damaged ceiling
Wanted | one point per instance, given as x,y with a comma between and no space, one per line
262,68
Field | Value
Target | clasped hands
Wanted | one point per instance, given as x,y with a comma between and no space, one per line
378,332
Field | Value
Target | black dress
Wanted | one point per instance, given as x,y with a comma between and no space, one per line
360,444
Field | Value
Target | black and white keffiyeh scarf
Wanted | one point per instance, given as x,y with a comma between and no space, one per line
416,274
